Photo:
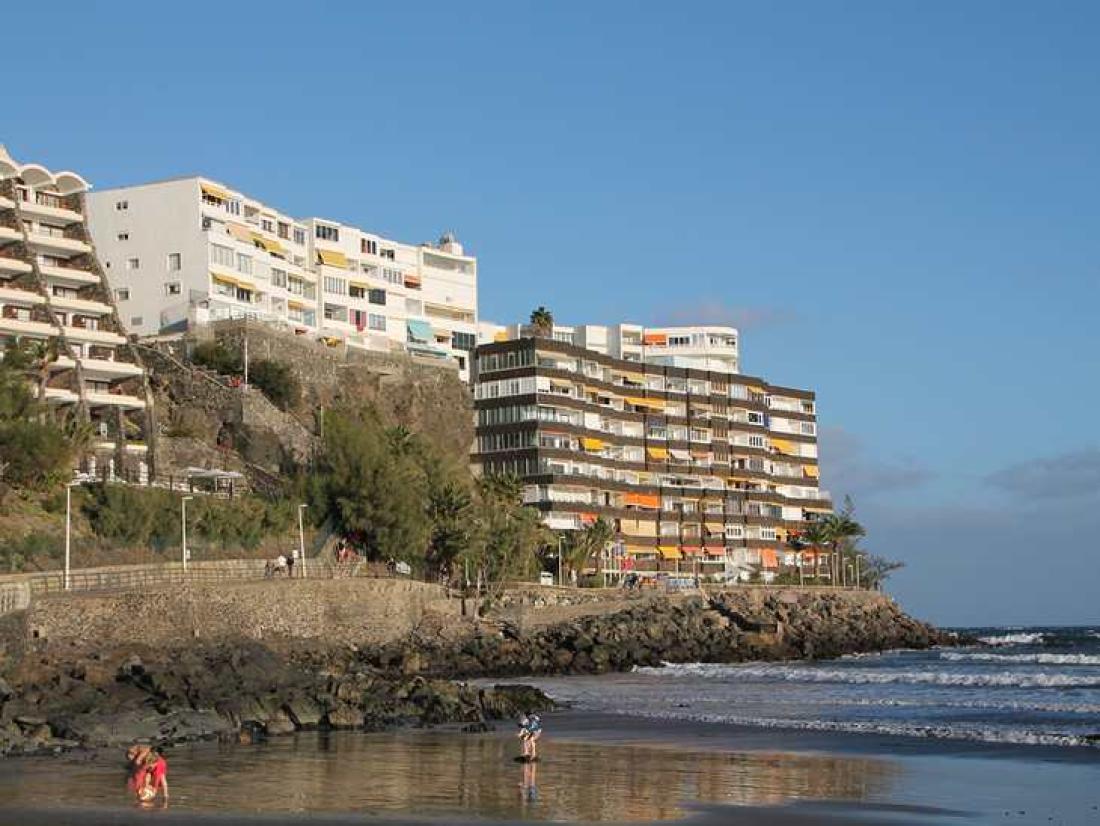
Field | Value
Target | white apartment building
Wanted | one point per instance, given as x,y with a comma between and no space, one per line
380,294
697,347
184,252
53,293
188,251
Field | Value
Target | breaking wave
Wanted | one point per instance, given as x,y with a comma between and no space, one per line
1033,659
858,676
1015,639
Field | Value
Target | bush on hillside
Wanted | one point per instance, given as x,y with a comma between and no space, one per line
218,358
276,381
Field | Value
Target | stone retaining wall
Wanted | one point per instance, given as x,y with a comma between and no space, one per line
355,611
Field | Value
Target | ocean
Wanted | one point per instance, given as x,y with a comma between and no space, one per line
1021,686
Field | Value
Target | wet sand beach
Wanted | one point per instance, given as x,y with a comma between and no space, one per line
595,769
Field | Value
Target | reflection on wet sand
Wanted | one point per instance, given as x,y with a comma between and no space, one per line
446,772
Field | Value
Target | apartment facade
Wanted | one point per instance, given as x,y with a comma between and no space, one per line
185,252
700,470
388,295
54,298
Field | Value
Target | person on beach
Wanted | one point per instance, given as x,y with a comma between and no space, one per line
530,730
156,778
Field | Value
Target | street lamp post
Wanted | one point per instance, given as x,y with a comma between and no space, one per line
302,540
80,479
68,529
183,530
561,581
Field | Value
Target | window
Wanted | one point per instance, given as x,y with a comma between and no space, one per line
326,233
284,230
223,256
244,263
233,207
136,321
267,225
278,278
389,254
679,341
376,322
377,297
463,341
392,275
368,246
299,236
175,262
122,206
173,288
124,236
132,263
356,291
756,441
338,286
122,294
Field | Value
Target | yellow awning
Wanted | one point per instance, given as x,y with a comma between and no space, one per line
634,550
297,305
657,452
811,471
268,244
359,284
333,258
501,336
783,446
592,444
755,388
240,233
656,404
626,374
225,279
214,192
670,552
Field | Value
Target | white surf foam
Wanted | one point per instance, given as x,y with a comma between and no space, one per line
1035,659
975,733
858,676
1015,639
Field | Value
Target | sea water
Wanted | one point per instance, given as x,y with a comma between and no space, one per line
1022,686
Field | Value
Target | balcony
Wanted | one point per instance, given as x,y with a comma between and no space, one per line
45,206
56,244
13,266
93,336
8,234
20,298
6,203
34,329
80,305
112,399
98,369
60,395
67,276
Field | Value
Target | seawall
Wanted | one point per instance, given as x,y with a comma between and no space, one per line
338,612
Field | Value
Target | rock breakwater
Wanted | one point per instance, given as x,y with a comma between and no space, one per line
733,626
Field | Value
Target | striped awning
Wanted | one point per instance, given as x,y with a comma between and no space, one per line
669,552
212,191
784,446
811,471
332,258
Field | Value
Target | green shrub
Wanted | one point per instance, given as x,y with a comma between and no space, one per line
276,381
217,357
34,455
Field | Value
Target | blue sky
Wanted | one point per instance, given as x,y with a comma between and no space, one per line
897,203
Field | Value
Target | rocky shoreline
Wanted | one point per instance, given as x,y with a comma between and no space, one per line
75,695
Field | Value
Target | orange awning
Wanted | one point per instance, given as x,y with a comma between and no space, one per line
655,338
588,518
643,500
692,550
769,558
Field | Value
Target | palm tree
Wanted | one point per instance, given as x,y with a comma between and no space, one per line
816,537
841,529
586,543
401,440
542,322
